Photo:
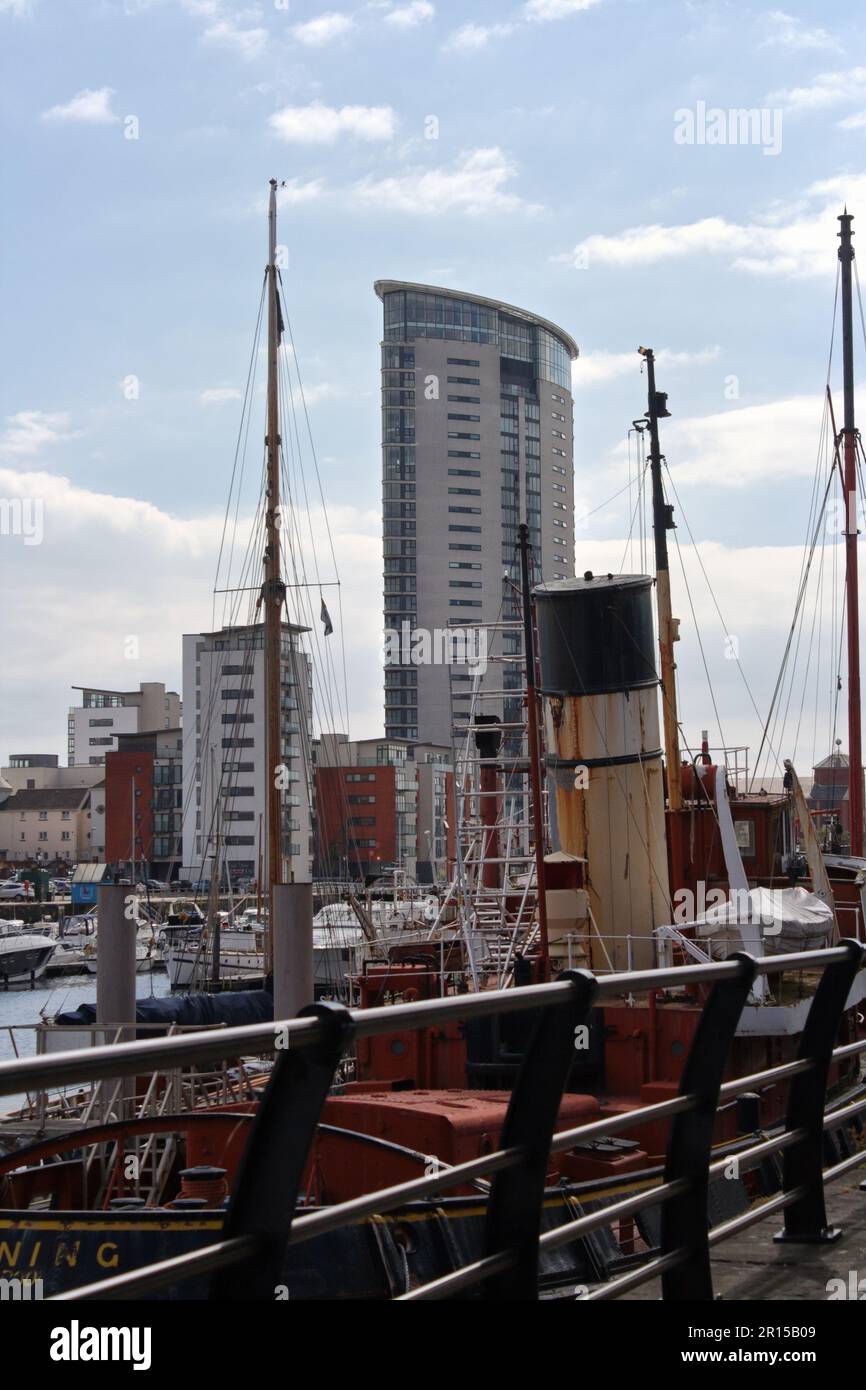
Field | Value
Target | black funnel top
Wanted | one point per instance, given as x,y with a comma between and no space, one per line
595,634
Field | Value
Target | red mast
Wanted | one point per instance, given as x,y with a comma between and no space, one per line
849,455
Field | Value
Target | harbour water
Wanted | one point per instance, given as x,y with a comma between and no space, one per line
22,1007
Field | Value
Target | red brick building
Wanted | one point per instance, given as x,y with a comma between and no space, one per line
382,803
143,803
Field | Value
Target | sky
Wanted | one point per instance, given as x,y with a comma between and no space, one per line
576,158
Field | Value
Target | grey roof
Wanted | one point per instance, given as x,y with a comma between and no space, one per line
48,799
832,760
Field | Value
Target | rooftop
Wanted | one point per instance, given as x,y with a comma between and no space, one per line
383,287
48,799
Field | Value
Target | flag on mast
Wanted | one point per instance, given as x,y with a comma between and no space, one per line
326,619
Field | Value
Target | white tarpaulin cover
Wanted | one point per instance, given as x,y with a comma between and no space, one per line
765,921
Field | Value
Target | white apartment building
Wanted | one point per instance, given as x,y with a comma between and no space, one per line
224,767
103,714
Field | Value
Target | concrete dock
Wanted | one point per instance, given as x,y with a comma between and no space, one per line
752,1267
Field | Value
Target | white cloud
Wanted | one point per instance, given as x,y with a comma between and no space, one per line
827,89
218,395
295,191
28,432
125,538
783,30
91,105
594,368
318,124
857,121
322,391
411,15
556,9
19,9
246,43
741,446
794,240
475,185
469,38
324,29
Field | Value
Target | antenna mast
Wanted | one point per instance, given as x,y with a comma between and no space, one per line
273,591
657,409
849,455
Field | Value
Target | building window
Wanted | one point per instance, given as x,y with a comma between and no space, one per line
462,362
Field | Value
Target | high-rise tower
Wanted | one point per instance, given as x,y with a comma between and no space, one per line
477,437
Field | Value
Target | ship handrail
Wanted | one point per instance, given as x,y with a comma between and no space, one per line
262,1221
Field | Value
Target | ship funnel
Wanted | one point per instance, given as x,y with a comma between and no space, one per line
604,758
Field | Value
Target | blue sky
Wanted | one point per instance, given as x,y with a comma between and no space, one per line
555,182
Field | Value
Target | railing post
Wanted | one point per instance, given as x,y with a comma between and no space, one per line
685,1221
268,1183
802,1164
516,1194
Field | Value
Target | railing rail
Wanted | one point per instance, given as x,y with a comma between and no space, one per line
262,1219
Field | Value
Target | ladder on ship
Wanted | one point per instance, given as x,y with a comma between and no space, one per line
494,855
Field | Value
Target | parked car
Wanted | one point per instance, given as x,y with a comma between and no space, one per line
60,885
11,889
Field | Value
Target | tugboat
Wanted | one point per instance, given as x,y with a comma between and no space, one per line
634,831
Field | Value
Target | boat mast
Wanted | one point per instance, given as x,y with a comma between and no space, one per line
273,590
663,522
534,747
849,456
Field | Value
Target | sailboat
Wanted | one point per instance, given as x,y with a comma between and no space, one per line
589,657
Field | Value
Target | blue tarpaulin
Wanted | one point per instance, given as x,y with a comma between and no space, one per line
232,1009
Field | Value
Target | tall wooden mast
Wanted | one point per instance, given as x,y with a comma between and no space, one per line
662,522
273,589
852,599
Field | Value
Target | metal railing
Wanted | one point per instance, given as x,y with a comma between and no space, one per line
262,1217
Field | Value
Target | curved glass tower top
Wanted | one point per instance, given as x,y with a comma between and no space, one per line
425,311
